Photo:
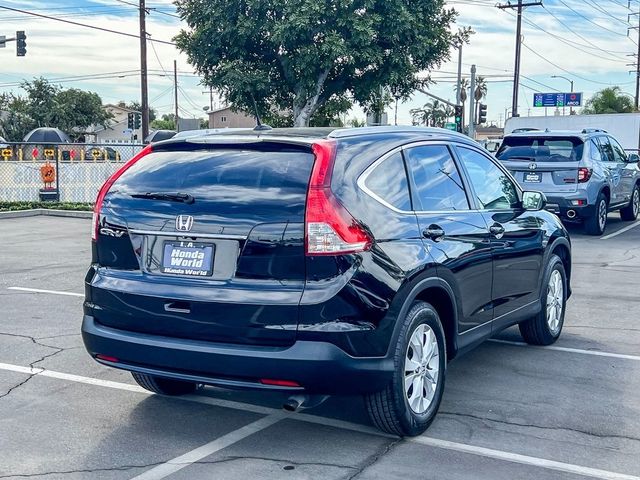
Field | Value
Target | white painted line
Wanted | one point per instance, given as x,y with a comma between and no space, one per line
524,459
53,292
275,415
621,231
579,351
189,458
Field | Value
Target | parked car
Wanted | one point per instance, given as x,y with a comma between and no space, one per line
585,175
318,262
3,143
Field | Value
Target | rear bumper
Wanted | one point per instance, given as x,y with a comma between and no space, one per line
317,367
562,207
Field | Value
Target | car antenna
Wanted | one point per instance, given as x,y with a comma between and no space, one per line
260,127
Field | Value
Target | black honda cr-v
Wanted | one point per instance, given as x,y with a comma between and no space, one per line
319,262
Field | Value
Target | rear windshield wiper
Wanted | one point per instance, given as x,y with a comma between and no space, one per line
172,197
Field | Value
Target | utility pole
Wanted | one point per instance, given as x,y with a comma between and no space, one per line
472,105
459,89
520,6
175,93
143,71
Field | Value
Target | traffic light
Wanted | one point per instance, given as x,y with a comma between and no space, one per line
137,120
21,43
482,114
130,121
458,118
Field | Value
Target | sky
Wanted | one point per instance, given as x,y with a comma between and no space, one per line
586,41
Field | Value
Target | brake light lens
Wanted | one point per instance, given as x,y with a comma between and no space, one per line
107,185
584,174
279,383
330,228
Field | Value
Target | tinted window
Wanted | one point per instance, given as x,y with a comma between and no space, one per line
618,152
389,182
233,177
436,178
494,189
541,149
595,151
606,149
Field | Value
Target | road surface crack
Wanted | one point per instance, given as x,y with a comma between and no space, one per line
375,458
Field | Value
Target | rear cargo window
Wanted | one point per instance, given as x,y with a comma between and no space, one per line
541,149
234,176
389,182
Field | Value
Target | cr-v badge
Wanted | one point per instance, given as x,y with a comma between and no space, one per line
184,223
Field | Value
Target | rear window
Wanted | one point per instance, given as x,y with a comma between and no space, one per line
541,149
228,175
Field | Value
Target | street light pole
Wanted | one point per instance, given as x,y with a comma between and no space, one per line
571,82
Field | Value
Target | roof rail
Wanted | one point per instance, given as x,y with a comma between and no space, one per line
594,130
525,129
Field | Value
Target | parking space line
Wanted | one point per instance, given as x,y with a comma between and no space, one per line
274,415
579,351
39,290
189,458
621,231
523,459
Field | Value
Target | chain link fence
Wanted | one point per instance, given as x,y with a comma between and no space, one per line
67,172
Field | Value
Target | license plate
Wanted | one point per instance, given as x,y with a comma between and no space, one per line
533,177
188,258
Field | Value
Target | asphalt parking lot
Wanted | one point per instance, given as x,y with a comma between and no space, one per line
571,411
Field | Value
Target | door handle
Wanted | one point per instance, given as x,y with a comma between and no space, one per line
434,232
497,230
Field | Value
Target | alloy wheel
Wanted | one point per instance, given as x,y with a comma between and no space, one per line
636,202
421,368
555,301
602,215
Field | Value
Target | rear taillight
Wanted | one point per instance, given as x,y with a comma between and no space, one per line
584,174
107,185
330,228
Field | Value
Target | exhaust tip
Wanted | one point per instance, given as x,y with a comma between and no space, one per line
290,405
571,214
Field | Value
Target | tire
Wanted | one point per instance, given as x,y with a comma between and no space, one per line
390,409
164,386
630,212
597,224
545,328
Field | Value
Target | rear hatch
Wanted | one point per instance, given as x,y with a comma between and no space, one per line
205,243
548,164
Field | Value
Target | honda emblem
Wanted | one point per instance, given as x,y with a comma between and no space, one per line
533,166
184,223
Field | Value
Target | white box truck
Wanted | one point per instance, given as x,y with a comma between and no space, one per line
624,126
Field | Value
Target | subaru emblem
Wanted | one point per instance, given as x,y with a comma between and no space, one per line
533,166
184,223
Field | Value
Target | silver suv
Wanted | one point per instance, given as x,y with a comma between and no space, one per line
584,174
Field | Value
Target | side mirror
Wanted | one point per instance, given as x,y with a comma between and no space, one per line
534,201
634,158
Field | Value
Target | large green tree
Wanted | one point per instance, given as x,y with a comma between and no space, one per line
297,55
47,105
609,100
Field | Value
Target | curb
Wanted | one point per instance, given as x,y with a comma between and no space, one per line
44,211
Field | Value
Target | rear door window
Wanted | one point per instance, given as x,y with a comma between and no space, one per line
607,149
596,154
388,182
438,185
619,154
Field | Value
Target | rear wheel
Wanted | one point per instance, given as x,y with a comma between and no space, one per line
597,223
164,386
546,326
630,212
408,405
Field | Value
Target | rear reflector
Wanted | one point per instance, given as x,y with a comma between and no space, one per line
330,228
107,358
107,185
279,383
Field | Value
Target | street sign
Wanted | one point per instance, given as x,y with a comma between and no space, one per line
557,99
451,126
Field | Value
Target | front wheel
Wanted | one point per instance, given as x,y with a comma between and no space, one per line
630,212
546,326
409,403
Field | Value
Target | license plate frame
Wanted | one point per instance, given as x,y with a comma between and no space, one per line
532,177
196,262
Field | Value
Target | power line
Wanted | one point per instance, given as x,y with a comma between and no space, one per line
86,25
